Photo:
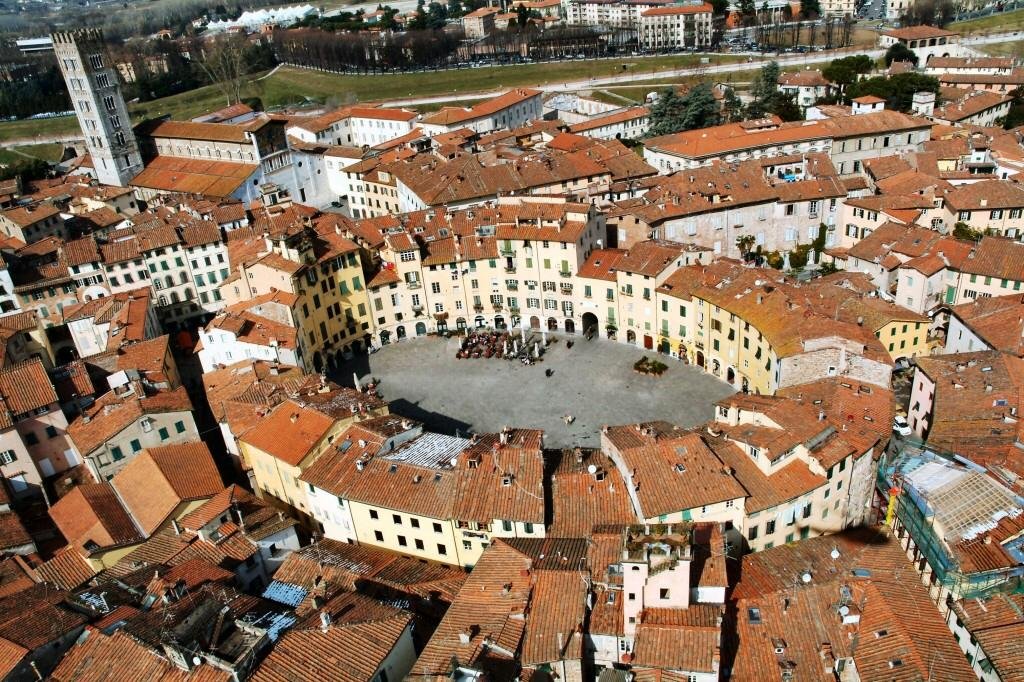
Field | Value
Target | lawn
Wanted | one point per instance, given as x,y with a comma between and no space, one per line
1010,49
296,86
1001,21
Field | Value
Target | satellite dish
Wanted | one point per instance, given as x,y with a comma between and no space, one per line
844,610
834,554
196,660
806,577
592,469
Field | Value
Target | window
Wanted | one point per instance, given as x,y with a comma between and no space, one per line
769,528
164,435
51,432
8,456
467,545
31,439
752,533
415,523
396,519
378,536
418,543
663,593
437,527
402,542
506,526
373,514
442,550
179,427
136,445
116,453
528,528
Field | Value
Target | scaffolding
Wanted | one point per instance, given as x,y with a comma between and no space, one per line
918,517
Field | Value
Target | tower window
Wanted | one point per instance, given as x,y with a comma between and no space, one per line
96,61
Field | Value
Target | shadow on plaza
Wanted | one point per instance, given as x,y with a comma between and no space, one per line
432,421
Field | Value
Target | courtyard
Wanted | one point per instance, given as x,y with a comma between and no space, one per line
593,381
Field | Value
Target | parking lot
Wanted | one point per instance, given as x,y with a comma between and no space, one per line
593,381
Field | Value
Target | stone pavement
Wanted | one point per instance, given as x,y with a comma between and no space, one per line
594,381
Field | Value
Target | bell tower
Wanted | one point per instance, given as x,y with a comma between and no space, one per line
96,96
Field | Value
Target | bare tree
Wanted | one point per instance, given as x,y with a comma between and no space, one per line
223,62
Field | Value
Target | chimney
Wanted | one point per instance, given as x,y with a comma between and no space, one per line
325,621
294,418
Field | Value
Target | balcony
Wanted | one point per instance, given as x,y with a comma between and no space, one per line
565,273
566,287
510,269
507,253
512,287
413,285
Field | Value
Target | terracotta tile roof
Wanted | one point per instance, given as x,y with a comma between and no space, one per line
580,501
81,251
347,652
676,647
967,415
157,480
449,116
91,516
67,569
997,257
26,387
673,470
808,78
764,492
554,628
480,492
862,412
996,320
33,619
16,575
214,132
601,264
110,415
676,10
489,606
612,118
23,216
306,425
650,257
985,196
11,656
975,102
13,536
194,176
100,657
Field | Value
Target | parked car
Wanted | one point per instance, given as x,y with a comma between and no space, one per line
901,426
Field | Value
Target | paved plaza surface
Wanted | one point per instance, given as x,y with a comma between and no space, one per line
594,381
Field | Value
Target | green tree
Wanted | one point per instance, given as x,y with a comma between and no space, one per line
744,243
844,72
900,53
732,107
784,106
719,7
897,91
522,15
747,8
667,113
810,9
964,231
701,108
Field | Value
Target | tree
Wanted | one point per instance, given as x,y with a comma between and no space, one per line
763,87
900,53
745,242
224,63
810,9
672,113
732,107
844,72
667,113
747,8
964,231
897,91
522,15
784,106
719,7
701,108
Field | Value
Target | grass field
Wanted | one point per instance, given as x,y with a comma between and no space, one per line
1010,49
1003,21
